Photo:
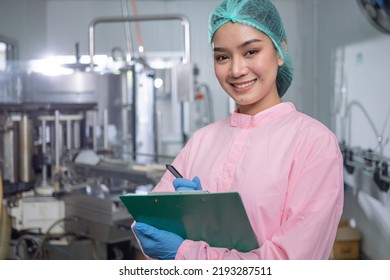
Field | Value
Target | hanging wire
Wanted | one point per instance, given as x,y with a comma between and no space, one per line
380,140
138,30
126,25
364,111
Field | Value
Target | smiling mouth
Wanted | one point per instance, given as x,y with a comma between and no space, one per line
244,85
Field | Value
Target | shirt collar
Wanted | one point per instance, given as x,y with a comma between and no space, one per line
247,121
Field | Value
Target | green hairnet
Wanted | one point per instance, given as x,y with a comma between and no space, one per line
263,16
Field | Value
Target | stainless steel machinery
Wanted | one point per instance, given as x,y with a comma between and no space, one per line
75,137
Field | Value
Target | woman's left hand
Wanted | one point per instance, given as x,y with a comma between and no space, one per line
157,244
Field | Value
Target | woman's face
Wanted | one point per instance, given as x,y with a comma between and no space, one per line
246,64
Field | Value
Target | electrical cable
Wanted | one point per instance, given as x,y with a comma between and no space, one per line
364,111
383,131
126,26
138,30
39,251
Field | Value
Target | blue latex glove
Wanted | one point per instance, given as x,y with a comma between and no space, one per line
182,184
157,244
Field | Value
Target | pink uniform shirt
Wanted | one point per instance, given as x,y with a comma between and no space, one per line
288,170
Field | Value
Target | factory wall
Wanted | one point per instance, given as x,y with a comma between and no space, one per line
25,22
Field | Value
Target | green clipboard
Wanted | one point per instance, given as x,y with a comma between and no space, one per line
219,219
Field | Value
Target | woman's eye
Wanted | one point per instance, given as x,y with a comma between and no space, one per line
221,57
251,52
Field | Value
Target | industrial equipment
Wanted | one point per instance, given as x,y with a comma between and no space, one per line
74,137
361,123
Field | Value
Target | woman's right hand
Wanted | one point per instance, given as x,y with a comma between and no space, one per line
182,184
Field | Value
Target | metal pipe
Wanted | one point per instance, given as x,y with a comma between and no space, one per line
68,135
25,149
105,129
44,150
159,129
126,106
184,20
57,139
94,133
76,134
10,167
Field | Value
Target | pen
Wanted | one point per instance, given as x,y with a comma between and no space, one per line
173,171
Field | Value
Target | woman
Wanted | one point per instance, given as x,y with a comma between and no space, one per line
286,166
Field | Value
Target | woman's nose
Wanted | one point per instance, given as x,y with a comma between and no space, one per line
238,67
